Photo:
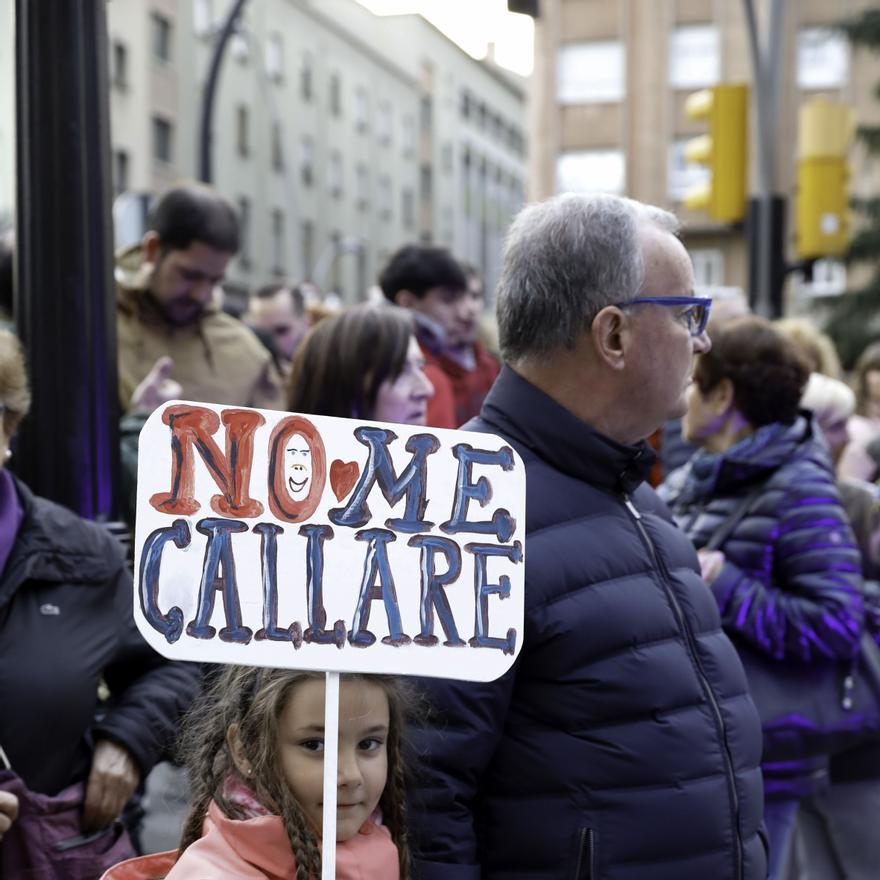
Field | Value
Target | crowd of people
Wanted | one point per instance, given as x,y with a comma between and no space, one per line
697,695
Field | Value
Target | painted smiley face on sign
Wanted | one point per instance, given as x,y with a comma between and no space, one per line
298,466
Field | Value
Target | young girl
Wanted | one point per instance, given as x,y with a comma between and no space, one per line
254,750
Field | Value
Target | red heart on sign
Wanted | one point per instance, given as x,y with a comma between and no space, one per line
343,476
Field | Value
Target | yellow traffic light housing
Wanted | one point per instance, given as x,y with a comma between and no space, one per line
723,150
824,133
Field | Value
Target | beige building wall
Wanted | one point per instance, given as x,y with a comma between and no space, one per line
648,116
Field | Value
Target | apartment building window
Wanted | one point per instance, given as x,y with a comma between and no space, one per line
277,255
426,114
244,222
335,94
275,58
277,141
306,77
361,109
163,135
680,174
447,155
161,28
119,73
307,160
465,104
385,123
307,245
120,171
822,59
409,136
242,139
829,279
590,73
334,174
591,171
708,268
203,17
362,187
408,208
240,48
694,56
385,197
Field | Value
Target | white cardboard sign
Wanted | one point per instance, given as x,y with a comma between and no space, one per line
275,539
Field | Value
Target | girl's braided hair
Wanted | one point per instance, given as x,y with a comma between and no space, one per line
253,699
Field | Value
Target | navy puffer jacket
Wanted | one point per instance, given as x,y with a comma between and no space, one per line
623,744
790,588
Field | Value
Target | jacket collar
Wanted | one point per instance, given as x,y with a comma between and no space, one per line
530,417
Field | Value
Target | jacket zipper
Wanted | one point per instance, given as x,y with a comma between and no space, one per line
704,681
584,868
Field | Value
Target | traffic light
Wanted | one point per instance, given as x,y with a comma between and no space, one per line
824,132
723,150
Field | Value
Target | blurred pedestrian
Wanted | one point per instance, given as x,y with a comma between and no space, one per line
279,312
166,307
447,306
864,426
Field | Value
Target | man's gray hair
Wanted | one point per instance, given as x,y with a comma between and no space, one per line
566,259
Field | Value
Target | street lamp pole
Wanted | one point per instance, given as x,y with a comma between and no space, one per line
229,27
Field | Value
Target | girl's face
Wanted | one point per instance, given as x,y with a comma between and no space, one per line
363,755
405,399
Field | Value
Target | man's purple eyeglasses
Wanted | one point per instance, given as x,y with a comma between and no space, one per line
695,314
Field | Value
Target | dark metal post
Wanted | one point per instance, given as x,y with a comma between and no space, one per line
64,305
205,163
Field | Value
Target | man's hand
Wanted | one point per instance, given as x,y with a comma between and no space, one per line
8,811
711,563
112,780
156,388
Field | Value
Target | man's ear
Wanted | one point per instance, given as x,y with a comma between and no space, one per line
151,246
233,741
406,299
611,332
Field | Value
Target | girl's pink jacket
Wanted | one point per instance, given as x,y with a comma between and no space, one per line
257,849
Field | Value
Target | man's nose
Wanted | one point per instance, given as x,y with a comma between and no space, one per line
702,343
201,291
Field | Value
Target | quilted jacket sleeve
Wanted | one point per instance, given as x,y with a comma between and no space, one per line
452,749
806,603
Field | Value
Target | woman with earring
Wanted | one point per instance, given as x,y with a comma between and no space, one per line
760,503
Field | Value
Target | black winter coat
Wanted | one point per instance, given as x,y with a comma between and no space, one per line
623,744
66,625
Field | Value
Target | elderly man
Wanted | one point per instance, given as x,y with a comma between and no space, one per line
623,744
170,326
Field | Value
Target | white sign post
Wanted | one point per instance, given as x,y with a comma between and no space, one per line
308,542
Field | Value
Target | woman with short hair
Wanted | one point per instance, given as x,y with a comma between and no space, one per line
786,573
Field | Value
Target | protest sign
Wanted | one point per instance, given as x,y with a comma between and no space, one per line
275,539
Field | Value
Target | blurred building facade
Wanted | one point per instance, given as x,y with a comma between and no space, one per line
340,135
610,81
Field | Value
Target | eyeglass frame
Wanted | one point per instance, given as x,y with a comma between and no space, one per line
704,301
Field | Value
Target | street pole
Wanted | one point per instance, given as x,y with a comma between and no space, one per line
229,27
766,219
65,308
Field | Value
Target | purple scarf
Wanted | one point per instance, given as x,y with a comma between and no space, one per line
11,516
